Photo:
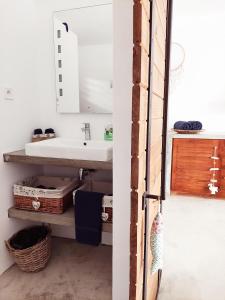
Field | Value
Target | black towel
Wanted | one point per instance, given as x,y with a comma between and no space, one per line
195,125
182,125
88,221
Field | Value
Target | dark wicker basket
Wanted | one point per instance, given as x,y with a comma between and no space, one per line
32,259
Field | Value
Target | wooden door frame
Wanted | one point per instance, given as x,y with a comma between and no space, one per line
141,83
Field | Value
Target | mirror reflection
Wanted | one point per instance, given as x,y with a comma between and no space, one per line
84,59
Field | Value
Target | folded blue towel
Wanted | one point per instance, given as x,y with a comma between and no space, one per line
190,125
195,125
182,125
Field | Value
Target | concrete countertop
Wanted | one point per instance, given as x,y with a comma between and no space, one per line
22,158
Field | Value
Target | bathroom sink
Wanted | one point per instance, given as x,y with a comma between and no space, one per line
71,149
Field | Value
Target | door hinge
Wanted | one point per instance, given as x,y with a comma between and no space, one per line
147,196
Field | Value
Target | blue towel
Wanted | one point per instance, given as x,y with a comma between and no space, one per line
190,125
182,125
88,221
195,125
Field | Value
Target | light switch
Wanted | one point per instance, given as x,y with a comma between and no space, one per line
8,94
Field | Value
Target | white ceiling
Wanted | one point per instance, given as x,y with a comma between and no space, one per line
92,25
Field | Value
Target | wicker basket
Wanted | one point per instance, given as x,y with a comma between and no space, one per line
107,209
32,259
107,204
42,137
28,196
183,131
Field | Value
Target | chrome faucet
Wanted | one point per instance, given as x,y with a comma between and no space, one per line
87,131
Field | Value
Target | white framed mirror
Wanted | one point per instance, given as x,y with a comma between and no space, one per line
84,59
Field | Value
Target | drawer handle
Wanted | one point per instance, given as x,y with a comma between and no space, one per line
214,169
215,157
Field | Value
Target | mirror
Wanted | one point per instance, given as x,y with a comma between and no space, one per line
84,59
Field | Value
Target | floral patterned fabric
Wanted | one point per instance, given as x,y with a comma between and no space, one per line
156,242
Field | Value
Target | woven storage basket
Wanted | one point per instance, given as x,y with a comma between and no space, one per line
107,209
107,203
28,196
32,259
42,137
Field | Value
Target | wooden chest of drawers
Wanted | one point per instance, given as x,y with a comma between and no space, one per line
192,161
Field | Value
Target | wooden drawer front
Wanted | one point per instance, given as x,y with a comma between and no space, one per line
221,182
195,150
191,165
222,158
195,183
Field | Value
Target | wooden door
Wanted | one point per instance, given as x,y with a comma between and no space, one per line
152,22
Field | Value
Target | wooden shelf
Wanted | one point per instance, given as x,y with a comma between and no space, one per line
65,219
22,158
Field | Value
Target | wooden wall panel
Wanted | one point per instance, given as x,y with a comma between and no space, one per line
142,94
156,130
140,67
141,20
157,83
157,90
160,12
157,107
140,104
141,38
159,33
138,173
139,130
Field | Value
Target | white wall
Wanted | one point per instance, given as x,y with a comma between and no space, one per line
18,117
26,55
200,92
27,49
123,56
67,125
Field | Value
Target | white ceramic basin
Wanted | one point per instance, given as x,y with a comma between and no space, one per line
71,149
